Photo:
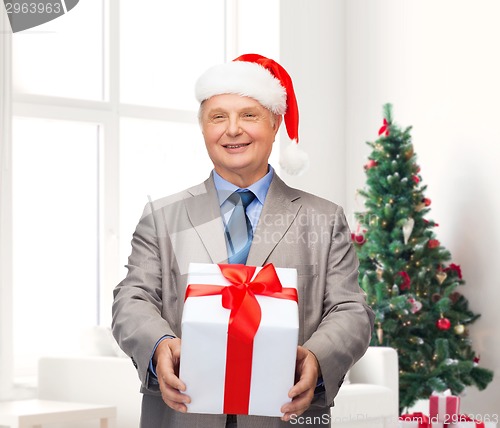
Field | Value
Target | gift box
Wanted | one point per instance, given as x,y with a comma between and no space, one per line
464,421
418,420
444,407
239,338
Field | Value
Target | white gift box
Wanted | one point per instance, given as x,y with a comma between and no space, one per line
417,424
487,424
419,420
434,424
204,345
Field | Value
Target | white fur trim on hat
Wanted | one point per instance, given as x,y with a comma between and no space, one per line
243,78
293,159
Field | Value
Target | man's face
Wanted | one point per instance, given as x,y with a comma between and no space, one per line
239,134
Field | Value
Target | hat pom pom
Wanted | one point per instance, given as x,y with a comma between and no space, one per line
294,160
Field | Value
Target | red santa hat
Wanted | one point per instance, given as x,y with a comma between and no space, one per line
266,81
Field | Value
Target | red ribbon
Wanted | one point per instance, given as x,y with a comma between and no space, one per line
244,321
384,129
421,418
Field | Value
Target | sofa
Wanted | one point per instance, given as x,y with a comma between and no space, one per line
368,398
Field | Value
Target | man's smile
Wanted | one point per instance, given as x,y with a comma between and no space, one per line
235,146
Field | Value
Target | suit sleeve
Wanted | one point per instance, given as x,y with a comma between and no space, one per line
345,330
137,321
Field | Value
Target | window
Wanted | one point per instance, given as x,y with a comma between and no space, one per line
171,156
98,114
55,236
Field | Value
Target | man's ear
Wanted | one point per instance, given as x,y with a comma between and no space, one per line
278,118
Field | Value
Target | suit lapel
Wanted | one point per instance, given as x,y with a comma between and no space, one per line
280,210
204,213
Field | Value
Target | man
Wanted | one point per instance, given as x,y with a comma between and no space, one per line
242,108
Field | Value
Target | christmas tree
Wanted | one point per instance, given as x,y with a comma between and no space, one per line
407,275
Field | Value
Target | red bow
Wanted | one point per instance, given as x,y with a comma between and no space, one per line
405,285
244,322
384,129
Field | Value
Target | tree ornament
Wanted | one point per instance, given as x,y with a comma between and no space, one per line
395,290
359,239
415,305
441,276
380,272
408,229
475,360
416,179
380,334
409,153
433,243
370,164
435,298
426,201
443,323
459,329
455,296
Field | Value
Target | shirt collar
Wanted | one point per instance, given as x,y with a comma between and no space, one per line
259,188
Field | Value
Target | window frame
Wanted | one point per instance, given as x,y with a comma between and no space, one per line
107,115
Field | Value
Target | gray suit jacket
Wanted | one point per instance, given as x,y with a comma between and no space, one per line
295,230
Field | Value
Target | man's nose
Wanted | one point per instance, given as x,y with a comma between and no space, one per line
233,126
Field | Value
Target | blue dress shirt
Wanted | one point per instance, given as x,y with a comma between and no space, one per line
260,188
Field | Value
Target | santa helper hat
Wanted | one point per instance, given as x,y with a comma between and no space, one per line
266,81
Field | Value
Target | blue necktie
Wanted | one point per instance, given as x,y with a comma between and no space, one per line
239,232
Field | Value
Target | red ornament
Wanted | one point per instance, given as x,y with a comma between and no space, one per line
358,239
475,360
426,201
455,268
405,285
433,243
443,323
384,129
416,179
371,164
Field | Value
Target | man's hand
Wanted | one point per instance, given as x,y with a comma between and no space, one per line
302,393
166,358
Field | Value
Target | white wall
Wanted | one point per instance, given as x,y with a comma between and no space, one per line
437,62
312,47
